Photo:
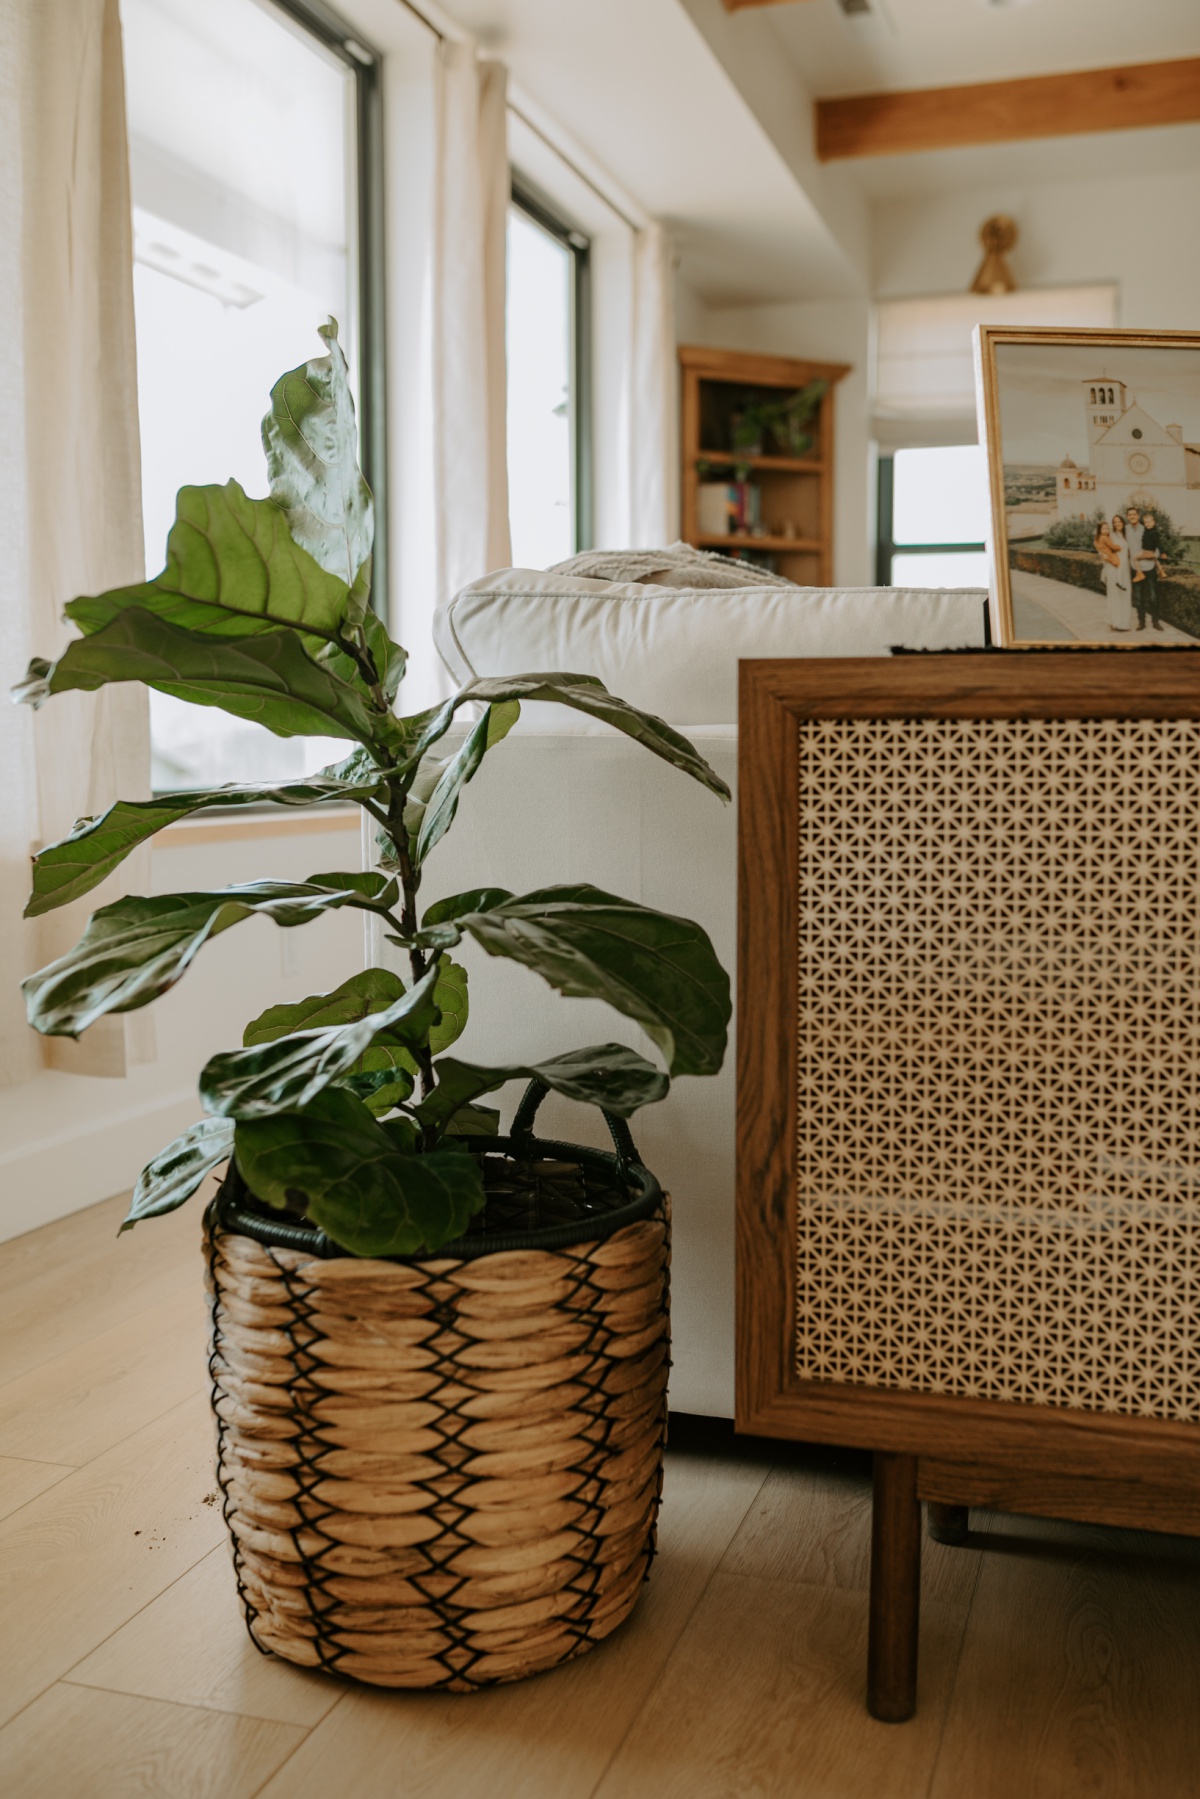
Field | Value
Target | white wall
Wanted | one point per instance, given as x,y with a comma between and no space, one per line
825,331
1140,231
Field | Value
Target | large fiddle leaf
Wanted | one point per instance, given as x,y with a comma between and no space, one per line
287,1073
429,821
368,991
311,442
139,947
606,1075
583,693
267,679
655,968
65,870
233,568
176,1172
385,1073
339,1166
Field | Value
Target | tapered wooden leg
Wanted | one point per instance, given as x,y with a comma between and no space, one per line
895,1589
947,1523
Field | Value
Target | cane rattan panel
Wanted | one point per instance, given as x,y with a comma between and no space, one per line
999,1064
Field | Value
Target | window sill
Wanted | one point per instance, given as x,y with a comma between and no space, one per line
188,833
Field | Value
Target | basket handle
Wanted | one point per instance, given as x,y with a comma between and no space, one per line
523,1140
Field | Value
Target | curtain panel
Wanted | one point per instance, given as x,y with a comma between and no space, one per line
654,402
70,476
469,389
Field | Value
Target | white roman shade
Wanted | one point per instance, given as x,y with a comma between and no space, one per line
924,385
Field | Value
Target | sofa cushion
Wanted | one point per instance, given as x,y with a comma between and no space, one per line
675,651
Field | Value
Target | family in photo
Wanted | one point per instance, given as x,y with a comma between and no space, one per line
1131,549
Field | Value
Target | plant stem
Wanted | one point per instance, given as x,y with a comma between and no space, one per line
356,648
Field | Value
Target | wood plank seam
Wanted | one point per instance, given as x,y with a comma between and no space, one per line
65,1680
118,1628
277,1773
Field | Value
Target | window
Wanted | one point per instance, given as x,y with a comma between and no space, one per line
547,356
252,141
933,509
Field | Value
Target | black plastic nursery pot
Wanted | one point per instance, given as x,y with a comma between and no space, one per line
445,1470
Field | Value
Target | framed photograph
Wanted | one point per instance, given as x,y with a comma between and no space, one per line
1093,448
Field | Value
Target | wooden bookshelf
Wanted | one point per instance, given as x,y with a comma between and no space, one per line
795,492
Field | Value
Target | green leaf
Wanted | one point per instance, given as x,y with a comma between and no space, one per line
267,679
653,967
584,693
287,1073
233,568
438,814
381,1088
368,991
450,997
403,1134
175,1173
439,927
137,948
605,1074
65,870
441,930
474,1121
457,905
389,658
351,1177
311,442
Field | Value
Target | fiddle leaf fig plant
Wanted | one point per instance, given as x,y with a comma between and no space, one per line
345,1108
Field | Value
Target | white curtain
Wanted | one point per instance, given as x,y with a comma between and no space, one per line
653,450
70,475
471,213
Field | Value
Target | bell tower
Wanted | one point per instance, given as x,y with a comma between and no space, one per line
1104,402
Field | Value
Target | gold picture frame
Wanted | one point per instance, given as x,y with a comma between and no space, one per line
1076,446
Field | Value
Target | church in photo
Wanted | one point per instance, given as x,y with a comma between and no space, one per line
1133,461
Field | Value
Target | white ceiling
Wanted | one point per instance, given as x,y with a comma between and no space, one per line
641,90
940,43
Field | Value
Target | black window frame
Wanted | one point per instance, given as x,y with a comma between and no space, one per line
886,547
366,65
527,199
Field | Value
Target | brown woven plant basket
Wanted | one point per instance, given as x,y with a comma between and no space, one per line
445,1473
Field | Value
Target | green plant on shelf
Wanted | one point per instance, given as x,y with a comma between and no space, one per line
783,422
344,1109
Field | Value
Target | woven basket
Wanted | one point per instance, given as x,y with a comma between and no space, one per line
443,1473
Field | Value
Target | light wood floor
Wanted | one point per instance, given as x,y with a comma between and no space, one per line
1058,1661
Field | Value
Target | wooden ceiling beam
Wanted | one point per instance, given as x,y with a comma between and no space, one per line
1001,112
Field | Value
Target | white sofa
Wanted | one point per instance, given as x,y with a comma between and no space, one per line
564,799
